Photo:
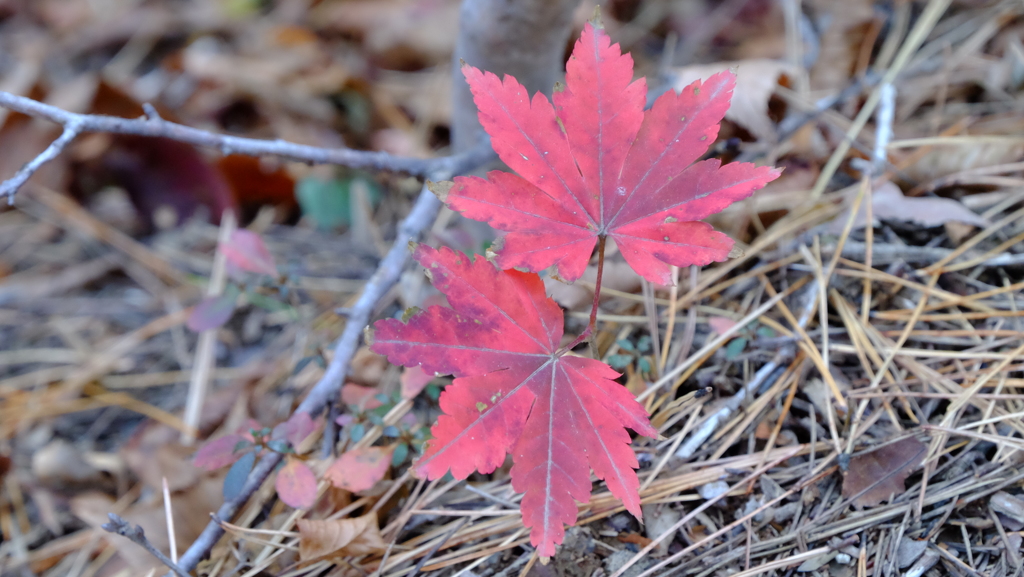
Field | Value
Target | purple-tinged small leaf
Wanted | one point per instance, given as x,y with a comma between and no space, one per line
213,312
218,453
296,485
247,251
345,420
295,429
237,475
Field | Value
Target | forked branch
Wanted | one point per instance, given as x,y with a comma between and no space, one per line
135,534
153,125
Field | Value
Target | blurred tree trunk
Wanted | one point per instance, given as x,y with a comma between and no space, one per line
524,38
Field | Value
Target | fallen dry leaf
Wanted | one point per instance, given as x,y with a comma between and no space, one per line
360,397
617,276
721,325
845,26
875,475
985,145
413,380
395,31
296,485
755,82
359,469
657,520
888,203
191,510
247,251
339,537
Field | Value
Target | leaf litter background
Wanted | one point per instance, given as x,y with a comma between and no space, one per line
766,473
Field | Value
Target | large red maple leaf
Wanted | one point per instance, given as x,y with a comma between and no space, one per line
559,415
596,165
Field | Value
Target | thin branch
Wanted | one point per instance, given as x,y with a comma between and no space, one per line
135,534
766,374
71,131
422,216
153,125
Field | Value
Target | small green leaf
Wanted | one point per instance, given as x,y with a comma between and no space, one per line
268,303
644,365
735,348
325,202
400,454
328,202
391,431
620,361
356,432
358,110
280,446
301,365
433,392
625,345
237,474
644,344
765,332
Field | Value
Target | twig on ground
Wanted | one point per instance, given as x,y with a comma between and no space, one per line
761,378
422,215
885,254
153,125
72,128
135,534
765,376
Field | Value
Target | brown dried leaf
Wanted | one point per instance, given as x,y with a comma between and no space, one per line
1009,505
397,33
755,82
875,475
617,276
845,28
340,537
888,203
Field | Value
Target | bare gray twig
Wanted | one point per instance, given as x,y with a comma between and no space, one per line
153,125
71,131
422,215
135,534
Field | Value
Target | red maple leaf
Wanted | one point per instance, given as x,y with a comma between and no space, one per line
559,415
596,165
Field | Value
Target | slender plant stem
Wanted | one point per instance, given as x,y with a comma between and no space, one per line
597,297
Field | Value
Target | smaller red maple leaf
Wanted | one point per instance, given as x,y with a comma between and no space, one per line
559,415
595,165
